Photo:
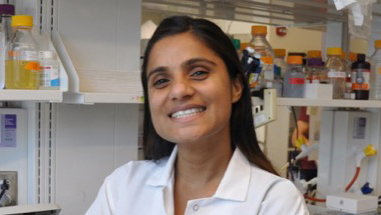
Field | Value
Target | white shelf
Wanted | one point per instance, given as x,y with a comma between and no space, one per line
31,95
21,209
90,98
328,102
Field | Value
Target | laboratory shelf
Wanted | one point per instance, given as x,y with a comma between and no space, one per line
328,102
91,98
31,95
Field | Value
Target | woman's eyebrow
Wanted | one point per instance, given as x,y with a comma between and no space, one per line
159,69
196,60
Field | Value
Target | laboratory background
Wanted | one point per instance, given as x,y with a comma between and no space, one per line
71,100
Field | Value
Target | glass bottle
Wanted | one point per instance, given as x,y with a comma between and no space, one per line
259,42
375,84
6,11
361,77
314,69
336,72
281,65
294,79
22,68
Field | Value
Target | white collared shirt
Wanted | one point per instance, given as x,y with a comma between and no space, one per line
146,188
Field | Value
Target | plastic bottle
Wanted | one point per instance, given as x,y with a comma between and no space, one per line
50,79
375,84
6,11
361,77
349,94
281,65
22,69
315,72
259,42
294,79
336,72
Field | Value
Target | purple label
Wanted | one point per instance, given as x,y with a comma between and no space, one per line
8,130
10,121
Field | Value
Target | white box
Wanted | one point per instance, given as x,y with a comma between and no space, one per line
318,91
352,203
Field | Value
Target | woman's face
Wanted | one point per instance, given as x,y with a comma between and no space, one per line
189,89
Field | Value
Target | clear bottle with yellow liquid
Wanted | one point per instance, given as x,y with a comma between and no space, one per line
22,68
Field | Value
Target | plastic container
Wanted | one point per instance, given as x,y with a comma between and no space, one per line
50,79
281,65
315,72
22,62
6,11
267,75
361,77
375,83
294,79
336,72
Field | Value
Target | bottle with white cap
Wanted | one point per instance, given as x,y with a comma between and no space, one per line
50,78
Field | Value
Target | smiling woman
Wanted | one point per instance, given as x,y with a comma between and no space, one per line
199,138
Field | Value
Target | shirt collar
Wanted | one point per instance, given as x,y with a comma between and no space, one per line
233,186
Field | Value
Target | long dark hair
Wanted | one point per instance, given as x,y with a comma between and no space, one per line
241,122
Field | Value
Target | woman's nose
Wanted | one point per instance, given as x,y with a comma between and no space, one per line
181,89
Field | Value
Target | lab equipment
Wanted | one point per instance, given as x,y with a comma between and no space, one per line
281,65
360,78
375,83
294,79
6,11
50,79
314,69
22,69
336,72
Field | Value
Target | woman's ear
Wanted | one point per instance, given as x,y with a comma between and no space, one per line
236,90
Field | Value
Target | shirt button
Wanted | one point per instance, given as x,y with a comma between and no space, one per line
195,207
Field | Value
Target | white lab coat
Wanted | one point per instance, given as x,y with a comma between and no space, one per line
146,188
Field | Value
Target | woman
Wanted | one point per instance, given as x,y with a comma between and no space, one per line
198,135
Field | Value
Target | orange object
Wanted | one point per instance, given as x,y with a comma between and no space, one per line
343,55
258,29
243,46
377,44
295,60
314,54
267,59
352,56
280,52
334,51
32,66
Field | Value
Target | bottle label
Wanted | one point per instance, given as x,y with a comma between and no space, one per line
32,66
297,80
336,74
49,76
23,55
360,79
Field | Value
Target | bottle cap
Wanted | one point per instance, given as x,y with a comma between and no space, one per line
7,9
258,29
334,51
280,52
343,55
22,20
295,60
243,46
46,55
267,59
377,43
237,44
314,54
352,56
360,63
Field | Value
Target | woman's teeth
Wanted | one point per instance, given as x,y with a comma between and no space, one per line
187,113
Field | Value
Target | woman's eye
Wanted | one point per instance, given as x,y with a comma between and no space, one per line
160,82
200,74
